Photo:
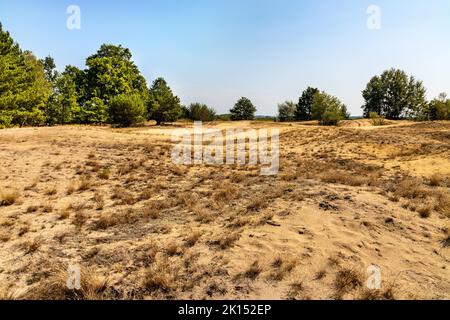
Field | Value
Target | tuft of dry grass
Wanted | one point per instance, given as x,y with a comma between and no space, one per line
51,191
345,178
31,246
281,267
99,201
253,270
124,197
64,214
425,211
79,219
161,276
443,203
8,198
346,280
85,183
193,237
31,209
104,174
71,187
47,207
92,286
410,188
437,180
227,240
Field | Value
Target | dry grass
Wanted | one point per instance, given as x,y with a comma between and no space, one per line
31,246
346,280
85,183
9,197
345,178
193,237
92,286
253,270
410,188
174,232
281,266
160,277
227,240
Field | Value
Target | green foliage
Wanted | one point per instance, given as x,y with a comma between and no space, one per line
199,112
376,119
112,72
438,109
62,107
94,111
163,106
24,89
50,69
328,109
224,117
394,95
287,111
304,106
5,120
243,110
127,109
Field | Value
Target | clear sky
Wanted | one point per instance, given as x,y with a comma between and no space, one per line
215,51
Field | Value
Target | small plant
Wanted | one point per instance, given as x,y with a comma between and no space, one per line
376,119
253,270
104,174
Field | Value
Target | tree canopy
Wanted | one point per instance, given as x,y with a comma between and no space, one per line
243,110
328,109
163,106
24,89
394,95
287,111
304,107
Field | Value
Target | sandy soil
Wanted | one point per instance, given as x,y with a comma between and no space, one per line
140,227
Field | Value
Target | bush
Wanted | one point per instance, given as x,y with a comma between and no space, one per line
94,111
5,121
126,110
328,110
330,118
376,119
286,111
200,112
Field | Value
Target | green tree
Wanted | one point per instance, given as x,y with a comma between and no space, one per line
304,106
439,108
51,74
243,110
62,107
394,95
111,72
163,106
328,109
24,89
127,109
200,112
287,111
94,111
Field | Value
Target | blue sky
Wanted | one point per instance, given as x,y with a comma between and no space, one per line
215,51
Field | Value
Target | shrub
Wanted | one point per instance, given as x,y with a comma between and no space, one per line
243,110
327,109
5,121
286,111
376,119
126,110
200,112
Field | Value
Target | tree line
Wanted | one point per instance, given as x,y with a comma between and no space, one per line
112,90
